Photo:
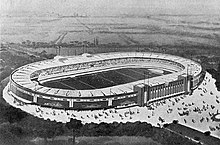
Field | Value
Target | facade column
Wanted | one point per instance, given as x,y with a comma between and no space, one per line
35,99
163,91
171,92
151,94
71,103
170,89
177,86
146,96
110,102
174,88
181,87
166,90
160,91
157,92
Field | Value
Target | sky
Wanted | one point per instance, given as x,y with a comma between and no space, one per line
113,7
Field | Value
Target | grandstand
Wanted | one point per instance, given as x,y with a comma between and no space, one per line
107,80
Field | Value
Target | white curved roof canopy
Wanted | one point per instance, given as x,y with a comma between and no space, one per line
22,75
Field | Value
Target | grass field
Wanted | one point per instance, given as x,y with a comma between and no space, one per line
103,79
124,30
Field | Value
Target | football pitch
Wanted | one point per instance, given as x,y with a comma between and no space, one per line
102,79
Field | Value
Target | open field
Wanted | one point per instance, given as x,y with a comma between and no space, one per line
192,36
160,29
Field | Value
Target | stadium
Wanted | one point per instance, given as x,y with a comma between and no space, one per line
106,80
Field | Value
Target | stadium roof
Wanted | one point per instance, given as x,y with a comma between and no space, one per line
22,75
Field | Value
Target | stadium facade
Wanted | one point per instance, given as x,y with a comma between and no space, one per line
25,83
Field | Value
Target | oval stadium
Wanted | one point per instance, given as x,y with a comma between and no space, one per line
106,80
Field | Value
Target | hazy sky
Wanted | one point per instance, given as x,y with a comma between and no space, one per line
112,7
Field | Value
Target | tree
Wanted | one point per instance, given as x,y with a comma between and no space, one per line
219,67
165,125
17,130
8,138
175,121
45,134
13,115
197,138
207,133
74,125
48,129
